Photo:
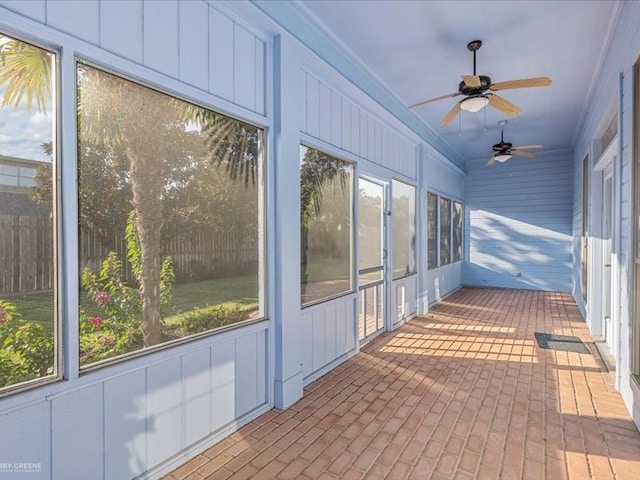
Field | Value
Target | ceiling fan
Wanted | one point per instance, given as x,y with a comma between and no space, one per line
474,88
504,150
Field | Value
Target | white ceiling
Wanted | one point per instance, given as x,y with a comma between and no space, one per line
418,50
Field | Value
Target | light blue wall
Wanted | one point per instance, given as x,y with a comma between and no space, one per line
518,220
613,85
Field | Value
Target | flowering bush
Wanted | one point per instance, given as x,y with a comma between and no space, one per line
113,324
27,348
102,298
96,321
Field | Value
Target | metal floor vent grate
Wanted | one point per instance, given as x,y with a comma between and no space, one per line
565,343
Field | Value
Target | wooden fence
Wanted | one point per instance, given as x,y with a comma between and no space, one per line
26,254
27,257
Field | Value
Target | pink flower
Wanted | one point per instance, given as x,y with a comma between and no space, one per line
96,321
101,298
107,340
2,320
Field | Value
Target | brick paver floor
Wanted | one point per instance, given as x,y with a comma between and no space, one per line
461,393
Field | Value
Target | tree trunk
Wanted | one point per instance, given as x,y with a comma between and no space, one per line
304,246
146,185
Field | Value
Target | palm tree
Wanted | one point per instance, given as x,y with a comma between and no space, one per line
137,122
25,70
317,172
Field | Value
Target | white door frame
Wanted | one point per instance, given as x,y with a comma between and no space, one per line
382,182
604,168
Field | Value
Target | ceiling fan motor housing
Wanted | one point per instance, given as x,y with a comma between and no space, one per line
502,147
484,85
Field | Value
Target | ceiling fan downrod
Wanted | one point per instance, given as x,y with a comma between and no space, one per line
474,46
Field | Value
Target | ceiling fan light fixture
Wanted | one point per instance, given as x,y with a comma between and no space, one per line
474,104
502,157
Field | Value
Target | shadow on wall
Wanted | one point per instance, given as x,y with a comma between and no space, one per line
519,218
537,193
504,252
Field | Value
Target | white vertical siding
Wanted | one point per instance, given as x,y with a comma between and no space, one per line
328,335
191,41
161,37
121,28
333,118
25,436
35,9
324,112
244,74
80,19
626,256
248,378
196,403
194,44
164,415
221,67
404,294
128,423
77,442
311,89
443,281
518,223
126,450
223,384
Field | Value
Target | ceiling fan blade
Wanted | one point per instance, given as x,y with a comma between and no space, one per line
491,161
451,115
424,102
522,147
471,81
503,105
522,83
523,153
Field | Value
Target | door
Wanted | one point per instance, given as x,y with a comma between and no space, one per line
371,259
607,219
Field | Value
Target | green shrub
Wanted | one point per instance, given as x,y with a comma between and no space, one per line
13,369
26,348
208,318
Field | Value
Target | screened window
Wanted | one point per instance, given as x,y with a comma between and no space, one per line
457,232
403,228
326,217
28,287
445,231
432,227
170,216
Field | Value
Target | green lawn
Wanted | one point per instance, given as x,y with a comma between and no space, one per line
321,270
242,290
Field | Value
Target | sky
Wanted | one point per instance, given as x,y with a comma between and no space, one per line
22,133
